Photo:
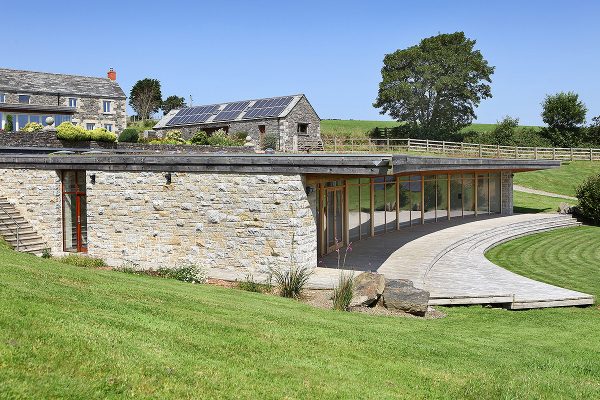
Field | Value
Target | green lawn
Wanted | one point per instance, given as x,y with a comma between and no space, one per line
534,203
73,333
360,128
563,180
564,257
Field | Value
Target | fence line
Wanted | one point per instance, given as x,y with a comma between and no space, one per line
458,149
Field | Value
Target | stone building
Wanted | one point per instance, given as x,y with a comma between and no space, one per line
86,101
291,119
239,214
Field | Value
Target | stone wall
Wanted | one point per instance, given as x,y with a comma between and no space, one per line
36,194
302,113
231,224
507,193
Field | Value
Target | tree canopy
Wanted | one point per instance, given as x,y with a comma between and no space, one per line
436,85
565,115
145,97
172,103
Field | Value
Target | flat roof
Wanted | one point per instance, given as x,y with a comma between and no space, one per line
323,163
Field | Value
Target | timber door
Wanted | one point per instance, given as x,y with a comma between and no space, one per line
334,218
74,211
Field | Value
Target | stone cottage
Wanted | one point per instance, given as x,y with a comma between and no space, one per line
90,102
290,119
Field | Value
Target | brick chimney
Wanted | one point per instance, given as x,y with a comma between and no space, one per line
112,75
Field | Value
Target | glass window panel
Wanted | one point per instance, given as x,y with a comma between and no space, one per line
330,218
405,203
339,216
34,118
70,222
495,193
83,220
415,197
482,194
429,196
69,181
380,208
24,98
442,197
456,196
22,121
390,205
354,211
468,194
365,211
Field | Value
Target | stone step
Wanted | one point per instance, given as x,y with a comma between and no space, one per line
22,236
26,242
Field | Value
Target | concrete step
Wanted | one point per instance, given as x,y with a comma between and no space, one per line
22,236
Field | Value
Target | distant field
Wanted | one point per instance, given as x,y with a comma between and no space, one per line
563,180
360,128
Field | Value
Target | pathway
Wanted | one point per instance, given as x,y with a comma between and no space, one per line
451,265
541,192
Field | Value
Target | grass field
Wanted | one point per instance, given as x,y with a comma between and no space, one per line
360,128
71,333
534,203
538,256
563,180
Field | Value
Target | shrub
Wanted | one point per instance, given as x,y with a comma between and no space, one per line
199,138
588,195
187,273
291,282
250,285
102,135
173,137
32,127
220,139
68,131
240,137
8,125
82,261
46,253
270,142
342,294
129,135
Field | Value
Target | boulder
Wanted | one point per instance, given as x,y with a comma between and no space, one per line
401,294
368,287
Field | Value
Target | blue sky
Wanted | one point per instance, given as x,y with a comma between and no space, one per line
331,51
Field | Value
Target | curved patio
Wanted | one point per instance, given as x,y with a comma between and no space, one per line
448,260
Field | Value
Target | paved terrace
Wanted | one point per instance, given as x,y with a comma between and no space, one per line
447,259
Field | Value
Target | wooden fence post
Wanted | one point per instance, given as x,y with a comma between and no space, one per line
443,147
571,154
480,151
535,152
388,144
591,154
554,153
498,150
335,144
516,152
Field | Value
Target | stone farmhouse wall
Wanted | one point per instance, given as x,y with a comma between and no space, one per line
507,193
230,224
89,109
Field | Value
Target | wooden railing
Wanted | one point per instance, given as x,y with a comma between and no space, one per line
456,149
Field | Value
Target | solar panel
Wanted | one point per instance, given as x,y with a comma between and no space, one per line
268,107
237,106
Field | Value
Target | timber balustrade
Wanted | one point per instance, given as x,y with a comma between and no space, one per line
458,149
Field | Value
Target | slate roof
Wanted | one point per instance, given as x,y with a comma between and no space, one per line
44,82
164,121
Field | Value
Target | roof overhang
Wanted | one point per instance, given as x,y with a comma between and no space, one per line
322,164
37,108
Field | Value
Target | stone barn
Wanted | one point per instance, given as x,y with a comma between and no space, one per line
290,119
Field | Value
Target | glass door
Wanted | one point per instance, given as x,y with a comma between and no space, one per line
74,211
334,218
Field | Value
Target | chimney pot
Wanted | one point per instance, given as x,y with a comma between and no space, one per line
112,75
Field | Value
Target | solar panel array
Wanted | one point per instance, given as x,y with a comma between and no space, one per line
193,115
268,107
260,109
231,111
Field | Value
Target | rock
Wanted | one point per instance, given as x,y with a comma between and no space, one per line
565,208
368,287
400,294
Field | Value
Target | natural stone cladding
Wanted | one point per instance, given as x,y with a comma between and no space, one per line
230,224
507,193
36,194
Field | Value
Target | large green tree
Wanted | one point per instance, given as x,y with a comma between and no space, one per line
145,97
565,115
435,86
172,103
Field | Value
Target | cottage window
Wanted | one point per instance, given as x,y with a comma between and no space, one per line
24,98
90,127
72,102
108,127
74,211
302,128
2,98
106,106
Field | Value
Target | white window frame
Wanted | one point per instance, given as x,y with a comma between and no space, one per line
110,106
74,100
87,124
106,126
24,94
2,97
